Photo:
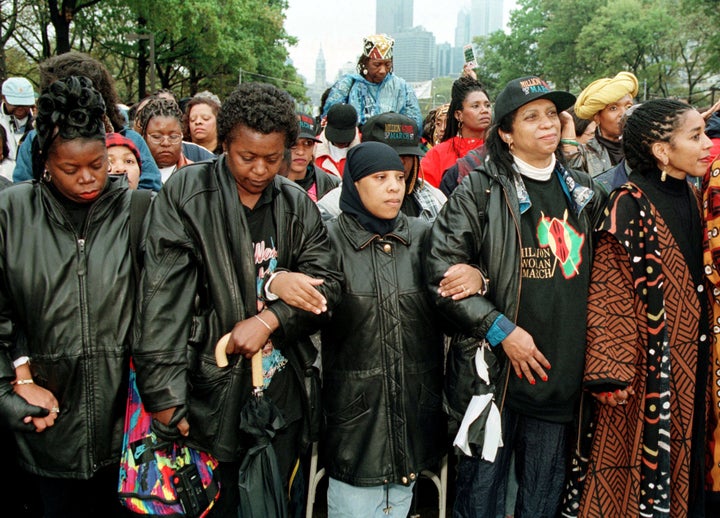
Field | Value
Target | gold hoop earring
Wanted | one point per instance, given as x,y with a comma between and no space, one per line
46,176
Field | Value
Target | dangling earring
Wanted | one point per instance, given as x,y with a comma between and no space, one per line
663,175
459,132
46,176
364,71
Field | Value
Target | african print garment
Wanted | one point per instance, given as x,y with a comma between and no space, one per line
711,210
643,320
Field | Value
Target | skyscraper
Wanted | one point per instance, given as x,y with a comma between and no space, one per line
393,16
320,78
486,17
415,54
463,36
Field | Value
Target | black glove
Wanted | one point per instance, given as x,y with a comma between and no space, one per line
13,409
170,432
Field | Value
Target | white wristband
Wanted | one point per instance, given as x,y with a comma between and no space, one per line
270,296
21,361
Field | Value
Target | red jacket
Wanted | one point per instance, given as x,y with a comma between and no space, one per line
442,156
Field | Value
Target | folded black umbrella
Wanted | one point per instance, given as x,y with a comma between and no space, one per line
260,481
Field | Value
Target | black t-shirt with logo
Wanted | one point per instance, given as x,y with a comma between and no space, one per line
280,387
555,273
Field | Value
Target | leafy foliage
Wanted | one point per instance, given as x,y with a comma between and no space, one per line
199,44
673,46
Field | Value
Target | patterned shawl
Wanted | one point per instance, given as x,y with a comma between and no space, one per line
634,226
711,262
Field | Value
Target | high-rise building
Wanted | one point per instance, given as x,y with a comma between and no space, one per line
393,16
320,78
414,55
463,36
444,60
486,17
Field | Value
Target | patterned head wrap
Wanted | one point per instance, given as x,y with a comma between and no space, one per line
378,46
601,92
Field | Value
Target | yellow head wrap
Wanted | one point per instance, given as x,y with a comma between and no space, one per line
601,92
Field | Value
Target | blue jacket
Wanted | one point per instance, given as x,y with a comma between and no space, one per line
149,173
394,94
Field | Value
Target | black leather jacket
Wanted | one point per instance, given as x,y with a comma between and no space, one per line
197,241
72,301
480,225
382,359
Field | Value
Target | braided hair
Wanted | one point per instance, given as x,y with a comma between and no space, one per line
652,121
69,108
461,88
158,107
260,107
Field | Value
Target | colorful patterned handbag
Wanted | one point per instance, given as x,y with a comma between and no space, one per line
162,478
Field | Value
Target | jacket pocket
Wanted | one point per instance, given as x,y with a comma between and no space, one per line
350,414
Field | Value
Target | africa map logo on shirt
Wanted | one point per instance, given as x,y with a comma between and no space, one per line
560,244
564,242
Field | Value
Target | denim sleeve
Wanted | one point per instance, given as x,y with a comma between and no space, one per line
149,173
499,330
412,106
23,165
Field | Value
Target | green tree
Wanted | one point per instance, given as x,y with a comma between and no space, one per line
557,42
8,21
627,35
205,44
504,57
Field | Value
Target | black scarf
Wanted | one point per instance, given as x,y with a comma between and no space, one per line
363,160
613,147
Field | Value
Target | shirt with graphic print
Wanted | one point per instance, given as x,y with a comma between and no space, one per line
278,375
555,274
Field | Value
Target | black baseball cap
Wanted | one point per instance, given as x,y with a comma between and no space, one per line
341,124
306,127
395,130
521,91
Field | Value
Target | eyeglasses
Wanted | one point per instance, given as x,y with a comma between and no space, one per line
158,139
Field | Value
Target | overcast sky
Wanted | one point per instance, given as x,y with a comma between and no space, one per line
339,26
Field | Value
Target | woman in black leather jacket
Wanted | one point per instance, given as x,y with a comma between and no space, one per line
525,223
67,301
382,350
232,247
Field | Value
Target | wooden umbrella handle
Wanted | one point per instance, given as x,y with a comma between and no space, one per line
222,360
220,351
257,369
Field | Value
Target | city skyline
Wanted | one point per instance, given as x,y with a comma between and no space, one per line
342,42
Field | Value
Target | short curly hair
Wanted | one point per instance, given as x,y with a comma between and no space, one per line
261,107
205,97
70,108
75,63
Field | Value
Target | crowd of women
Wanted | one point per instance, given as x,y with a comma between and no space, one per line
580,280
